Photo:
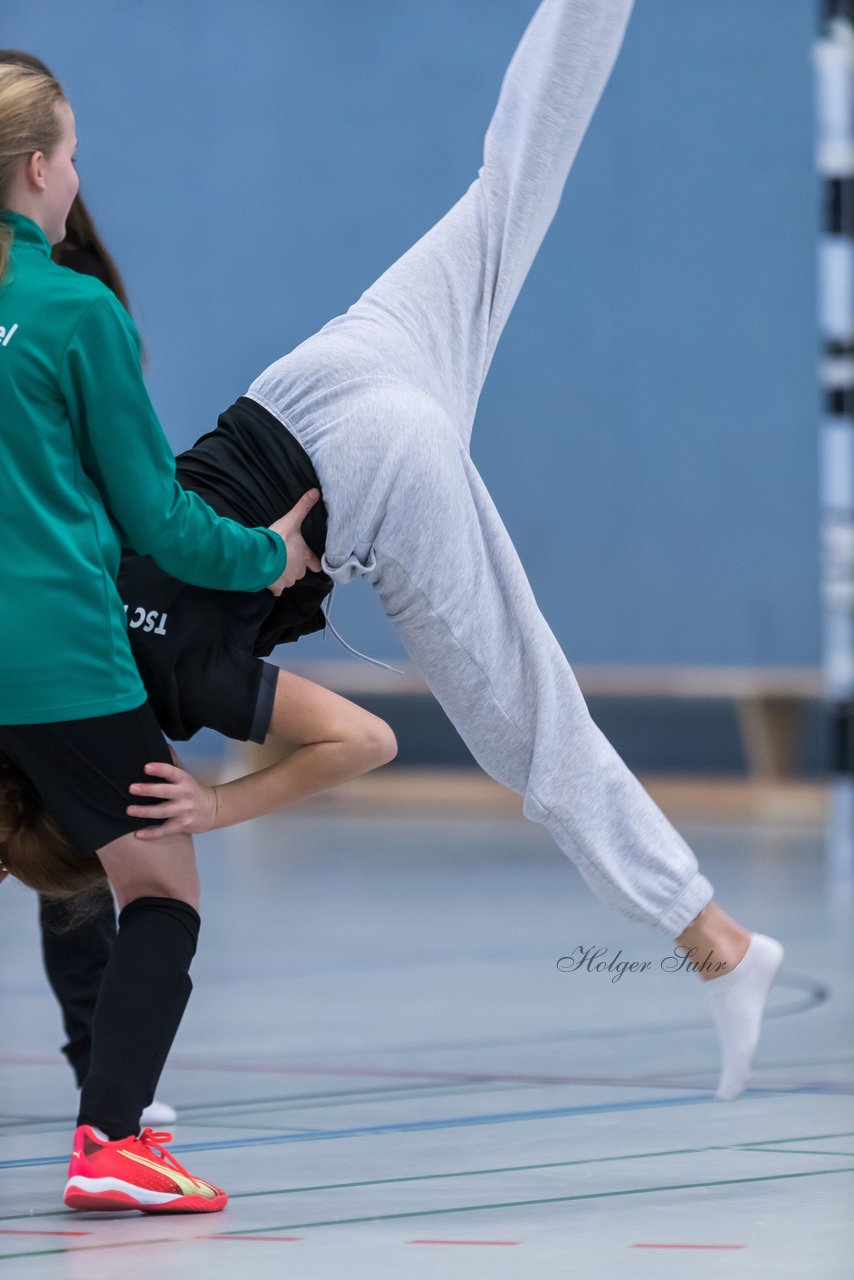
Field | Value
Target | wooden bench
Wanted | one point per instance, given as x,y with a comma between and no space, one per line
769,701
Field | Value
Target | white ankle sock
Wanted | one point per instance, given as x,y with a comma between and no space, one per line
737,1002
158,1113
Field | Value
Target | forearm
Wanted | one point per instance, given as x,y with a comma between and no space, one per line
127,456
307,771
195,545
324,740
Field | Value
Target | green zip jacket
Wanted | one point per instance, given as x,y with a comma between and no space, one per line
84,466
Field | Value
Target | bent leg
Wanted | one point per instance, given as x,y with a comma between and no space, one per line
319,740
465,612
307,715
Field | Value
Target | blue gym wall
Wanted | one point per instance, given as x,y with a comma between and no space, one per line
648,427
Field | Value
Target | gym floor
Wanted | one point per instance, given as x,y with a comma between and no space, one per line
385,1066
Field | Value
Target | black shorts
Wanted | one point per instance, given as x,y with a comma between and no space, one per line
83,769
193,648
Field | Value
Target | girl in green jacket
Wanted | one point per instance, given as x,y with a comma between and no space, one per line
84,465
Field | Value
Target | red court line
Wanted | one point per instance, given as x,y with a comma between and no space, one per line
649,1081
464,1242
687,1246
249,1237
30,1060
382,1073
10,1231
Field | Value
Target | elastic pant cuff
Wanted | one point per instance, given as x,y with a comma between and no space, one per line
697,894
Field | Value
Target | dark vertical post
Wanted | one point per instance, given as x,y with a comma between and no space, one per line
834,65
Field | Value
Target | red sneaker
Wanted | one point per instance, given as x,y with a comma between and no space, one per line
135,1173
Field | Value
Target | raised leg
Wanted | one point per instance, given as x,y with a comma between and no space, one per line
433,319
444,304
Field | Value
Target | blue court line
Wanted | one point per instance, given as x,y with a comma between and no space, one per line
466,1082
322,1099
415,1126
411,1126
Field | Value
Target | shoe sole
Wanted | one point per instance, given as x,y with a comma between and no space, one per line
115,1200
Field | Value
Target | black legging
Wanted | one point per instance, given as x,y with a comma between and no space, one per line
74,960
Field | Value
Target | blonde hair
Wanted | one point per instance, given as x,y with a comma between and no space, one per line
28,122
33,850
81,234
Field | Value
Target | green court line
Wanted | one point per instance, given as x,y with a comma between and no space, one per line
516,1204
420,1177
792,1151
804,1137
429,1177
83,1248
517,1168
473,1173
429,1213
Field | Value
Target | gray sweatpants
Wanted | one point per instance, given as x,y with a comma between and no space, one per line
383,400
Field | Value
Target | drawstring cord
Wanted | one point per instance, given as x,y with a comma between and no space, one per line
364,656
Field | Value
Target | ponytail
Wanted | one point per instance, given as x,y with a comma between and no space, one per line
33,850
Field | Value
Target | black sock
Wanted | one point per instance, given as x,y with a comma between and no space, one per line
143,995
